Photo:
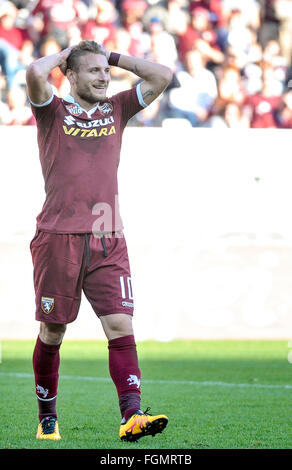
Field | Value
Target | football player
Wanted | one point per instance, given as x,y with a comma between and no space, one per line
73,250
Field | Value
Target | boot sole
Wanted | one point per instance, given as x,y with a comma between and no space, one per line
151,429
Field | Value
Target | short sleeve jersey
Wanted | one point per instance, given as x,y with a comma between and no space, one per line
79,153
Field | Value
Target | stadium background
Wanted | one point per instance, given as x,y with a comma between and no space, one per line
206,209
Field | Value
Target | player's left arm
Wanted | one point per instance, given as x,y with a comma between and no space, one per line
156,77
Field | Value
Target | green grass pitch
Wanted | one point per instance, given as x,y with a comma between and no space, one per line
217,395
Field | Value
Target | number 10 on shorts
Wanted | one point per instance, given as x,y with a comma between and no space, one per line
126,287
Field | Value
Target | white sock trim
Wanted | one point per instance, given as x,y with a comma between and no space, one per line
46,399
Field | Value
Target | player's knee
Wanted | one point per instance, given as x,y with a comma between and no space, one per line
117,325
52,333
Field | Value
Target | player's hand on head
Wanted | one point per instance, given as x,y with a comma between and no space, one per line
64,56
104,49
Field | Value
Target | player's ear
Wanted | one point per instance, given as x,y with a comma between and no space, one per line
70,74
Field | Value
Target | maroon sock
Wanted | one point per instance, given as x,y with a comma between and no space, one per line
125,373
46,361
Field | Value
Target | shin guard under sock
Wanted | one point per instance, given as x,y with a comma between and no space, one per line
46,361
125,373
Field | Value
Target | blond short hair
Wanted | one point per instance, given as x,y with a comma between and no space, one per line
84,47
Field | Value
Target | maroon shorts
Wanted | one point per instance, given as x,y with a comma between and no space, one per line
66,264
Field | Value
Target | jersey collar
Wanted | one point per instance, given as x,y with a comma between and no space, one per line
69,98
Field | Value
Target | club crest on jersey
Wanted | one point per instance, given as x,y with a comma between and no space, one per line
74,109
106,109
47,304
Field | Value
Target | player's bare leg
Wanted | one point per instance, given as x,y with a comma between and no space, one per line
117,325
52,333
46,361
126,375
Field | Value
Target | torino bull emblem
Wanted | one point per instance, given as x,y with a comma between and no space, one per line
133,380
106,108
42,390
47,304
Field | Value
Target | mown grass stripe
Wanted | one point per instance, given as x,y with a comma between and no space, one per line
166,382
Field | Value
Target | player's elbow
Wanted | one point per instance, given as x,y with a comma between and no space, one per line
31,71
34,73
161,76
166,75
161,80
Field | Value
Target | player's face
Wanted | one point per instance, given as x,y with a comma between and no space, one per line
92,78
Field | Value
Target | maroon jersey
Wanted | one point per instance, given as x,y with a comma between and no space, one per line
79,153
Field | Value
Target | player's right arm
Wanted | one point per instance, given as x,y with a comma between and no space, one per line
37,74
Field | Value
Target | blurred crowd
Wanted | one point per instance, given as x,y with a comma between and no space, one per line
231,59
